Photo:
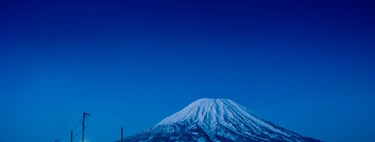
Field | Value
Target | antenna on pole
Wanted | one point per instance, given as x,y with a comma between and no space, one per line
85,114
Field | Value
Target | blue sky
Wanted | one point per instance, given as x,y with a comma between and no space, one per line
307,66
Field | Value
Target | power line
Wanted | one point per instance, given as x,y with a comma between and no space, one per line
73,127
97,135
74,131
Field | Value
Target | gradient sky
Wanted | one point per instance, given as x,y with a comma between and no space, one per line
307,66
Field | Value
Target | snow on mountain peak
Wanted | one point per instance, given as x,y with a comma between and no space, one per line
209,113
202,109
207,120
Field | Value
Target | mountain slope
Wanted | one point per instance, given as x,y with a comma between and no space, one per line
214,120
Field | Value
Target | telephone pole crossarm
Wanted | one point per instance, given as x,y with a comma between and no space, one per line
85,114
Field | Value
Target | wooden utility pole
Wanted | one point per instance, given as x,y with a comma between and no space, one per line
71,136
85,114
122,134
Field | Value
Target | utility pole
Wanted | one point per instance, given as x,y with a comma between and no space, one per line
122,134
85,114
71,135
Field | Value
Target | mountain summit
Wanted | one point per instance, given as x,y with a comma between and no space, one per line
216,120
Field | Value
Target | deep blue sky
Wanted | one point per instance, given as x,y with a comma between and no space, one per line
307,66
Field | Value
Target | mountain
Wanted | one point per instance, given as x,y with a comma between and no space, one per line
216,120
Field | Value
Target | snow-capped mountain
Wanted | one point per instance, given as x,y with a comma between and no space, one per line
216,120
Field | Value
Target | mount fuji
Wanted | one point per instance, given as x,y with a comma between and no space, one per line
216,120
